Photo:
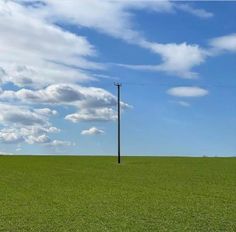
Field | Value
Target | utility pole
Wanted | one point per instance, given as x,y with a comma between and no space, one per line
118,112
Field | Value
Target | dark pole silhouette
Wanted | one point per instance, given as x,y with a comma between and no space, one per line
118,111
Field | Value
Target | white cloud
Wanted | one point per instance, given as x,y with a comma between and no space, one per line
224,43
59,143
93,115
94,14
92,131
41,74
31,135
177,59
194,11
185,91
41,139
62,93
46,111
18,149
34,52
46,141
25,125
183,103
120,25
10,136
20,115
180,59
38,130
93,104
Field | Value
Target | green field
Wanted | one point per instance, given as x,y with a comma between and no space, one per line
95,194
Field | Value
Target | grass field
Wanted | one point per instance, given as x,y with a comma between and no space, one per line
95,194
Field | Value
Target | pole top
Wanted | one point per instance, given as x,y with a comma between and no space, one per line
117,84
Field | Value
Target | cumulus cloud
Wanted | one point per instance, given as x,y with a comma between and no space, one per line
37,53
25,125
174,59
41,139
10,136
60,143
93,115
20,115
31,135
62,93
181,59
57,93
224,43
185,91
92,104
92,131
32,75
46,111
32,126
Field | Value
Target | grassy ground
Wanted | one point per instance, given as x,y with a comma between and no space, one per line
95,194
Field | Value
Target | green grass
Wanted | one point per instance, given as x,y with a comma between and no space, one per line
95,194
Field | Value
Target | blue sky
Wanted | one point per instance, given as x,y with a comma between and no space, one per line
175,60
